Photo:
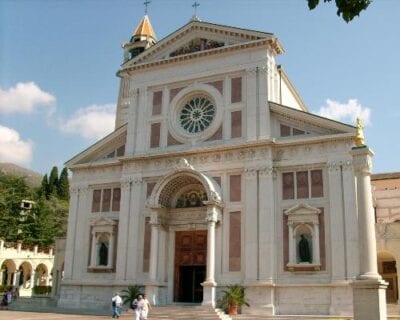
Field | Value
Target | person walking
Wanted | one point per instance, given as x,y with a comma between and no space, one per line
116,302
138,309
145,306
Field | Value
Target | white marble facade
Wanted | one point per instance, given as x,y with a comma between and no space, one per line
253,170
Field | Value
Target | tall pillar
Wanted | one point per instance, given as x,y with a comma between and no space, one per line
123,228
153,287
369,295
213,216
338,263
251,226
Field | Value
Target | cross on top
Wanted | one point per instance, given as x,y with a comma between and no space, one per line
146,4
195,5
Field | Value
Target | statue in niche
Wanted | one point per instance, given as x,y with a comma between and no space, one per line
304,250
103,254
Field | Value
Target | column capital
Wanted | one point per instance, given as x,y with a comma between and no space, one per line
268,171
362,160
213,213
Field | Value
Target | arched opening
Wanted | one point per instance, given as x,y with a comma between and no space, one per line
8,273
388,269
181,201
42,277
25,271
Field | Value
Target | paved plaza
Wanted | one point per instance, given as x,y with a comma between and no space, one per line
19,315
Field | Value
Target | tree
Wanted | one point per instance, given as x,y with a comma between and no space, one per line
348,9
53,181
12,191
44,187
63,185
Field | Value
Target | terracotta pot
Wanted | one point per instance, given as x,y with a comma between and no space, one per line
233,310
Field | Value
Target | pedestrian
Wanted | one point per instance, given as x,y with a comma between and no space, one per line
7,298
138,308
116,302
145,306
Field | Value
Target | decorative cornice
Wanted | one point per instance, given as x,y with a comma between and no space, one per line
195,55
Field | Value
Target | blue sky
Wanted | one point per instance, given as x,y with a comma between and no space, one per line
58,61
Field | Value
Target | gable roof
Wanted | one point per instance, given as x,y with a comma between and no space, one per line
245,36
89,152
316,120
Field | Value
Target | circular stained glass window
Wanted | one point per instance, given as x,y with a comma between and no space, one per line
197,115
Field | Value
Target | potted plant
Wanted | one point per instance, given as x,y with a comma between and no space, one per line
130,294
233,299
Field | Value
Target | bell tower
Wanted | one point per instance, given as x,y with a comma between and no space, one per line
143,38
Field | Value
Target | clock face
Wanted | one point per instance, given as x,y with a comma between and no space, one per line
197,114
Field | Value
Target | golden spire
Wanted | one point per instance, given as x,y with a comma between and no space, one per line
359,139
144,28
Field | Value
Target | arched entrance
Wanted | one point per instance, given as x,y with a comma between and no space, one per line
388,269
186,205
8,273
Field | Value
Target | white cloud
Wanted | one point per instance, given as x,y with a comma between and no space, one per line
13,148
92,122
346,112
25,98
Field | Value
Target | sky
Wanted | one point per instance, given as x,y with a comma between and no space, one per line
59,58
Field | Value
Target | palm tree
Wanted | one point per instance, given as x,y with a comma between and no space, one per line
130,294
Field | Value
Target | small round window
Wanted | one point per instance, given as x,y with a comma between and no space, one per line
197,114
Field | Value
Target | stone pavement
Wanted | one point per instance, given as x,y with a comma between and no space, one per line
21,315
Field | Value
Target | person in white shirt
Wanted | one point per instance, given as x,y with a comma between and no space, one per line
116,302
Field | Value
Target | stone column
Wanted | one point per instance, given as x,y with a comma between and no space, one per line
251,226
32,280
267,229
336,222
369,295
1,245
123,228
213,216
316,255
132,105
152,288
110,261
14,278
292,244
251,100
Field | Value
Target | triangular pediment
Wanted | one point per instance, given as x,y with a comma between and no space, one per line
102,222
106,150
290,124
302,210
198,36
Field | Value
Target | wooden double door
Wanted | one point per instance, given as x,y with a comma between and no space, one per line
190,265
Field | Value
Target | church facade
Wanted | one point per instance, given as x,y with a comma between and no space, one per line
216,174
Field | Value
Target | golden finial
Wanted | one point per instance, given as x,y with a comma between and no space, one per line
359,139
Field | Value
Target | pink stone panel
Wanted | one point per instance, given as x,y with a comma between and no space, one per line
171,141
173,93
285,131
288,185
155,135
217,85
235,188
297,132
235,241
146,246
285,237
236,124
106,200
217,180
236,90
157,102
217,135
317,186
116,199
96,200
150,187
302,184
121,151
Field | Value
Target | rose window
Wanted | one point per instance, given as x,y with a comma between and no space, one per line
197,115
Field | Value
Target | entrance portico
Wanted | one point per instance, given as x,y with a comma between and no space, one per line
185,208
